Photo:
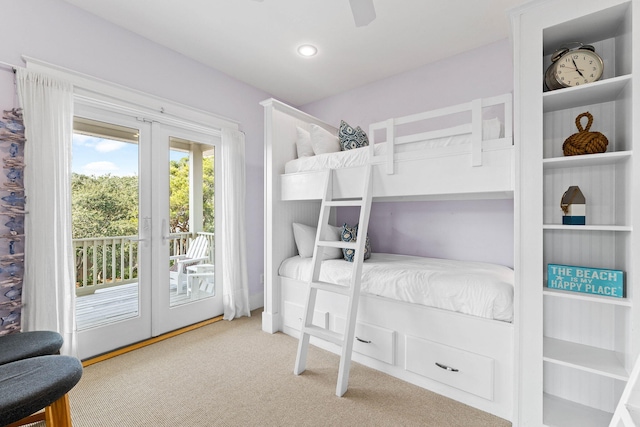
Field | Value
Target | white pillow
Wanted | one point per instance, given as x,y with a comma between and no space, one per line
305,237
303,143
323,141
333,234
491,129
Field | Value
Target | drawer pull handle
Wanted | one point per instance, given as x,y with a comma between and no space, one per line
446,368
364,341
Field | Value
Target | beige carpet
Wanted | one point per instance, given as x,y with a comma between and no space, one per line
233,374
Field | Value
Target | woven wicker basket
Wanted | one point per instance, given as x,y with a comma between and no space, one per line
585,142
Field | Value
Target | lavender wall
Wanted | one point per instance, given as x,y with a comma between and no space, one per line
470,230
61,34
56,32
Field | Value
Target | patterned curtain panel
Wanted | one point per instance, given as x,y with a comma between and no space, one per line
11,221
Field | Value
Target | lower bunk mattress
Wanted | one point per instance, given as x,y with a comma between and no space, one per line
474,288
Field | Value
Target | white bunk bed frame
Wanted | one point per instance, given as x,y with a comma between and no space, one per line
463,357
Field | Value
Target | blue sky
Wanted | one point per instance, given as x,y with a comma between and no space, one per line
99,156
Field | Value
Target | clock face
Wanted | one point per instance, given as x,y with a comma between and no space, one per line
578,67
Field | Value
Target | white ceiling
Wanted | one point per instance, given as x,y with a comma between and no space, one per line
256,41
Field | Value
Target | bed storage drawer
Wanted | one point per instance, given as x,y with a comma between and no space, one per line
458,368
293,314
371,340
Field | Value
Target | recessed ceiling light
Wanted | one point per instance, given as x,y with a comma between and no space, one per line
307,50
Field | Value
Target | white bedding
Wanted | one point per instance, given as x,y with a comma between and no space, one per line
491,129
475,288
360,156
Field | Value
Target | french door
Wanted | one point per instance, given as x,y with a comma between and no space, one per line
143,193
185,288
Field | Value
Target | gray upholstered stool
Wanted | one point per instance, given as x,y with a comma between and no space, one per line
29,385
23,345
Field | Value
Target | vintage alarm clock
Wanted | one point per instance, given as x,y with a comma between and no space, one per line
572,65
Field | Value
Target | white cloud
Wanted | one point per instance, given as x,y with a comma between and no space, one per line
101,145
106,146
85,140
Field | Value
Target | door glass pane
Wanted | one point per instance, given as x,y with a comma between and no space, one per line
191,221
105,222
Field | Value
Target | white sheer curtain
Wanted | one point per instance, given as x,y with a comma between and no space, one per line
233,236
49,288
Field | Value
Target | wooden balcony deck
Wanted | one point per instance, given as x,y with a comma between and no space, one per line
114,304
103,262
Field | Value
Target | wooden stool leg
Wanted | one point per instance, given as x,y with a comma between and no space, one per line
58,414
28,420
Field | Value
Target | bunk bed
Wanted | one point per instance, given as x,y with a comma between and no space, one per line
460,152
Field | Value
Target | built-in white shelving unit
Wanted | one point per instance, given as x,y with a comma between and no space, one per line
576,350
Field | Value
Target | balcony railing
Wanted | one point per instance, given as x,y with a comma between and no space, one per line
104,262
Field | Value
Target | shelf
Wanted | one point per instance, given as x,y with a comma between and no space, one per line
586,160
621,228
599,299
593,93
584,357
565,413
579,384
602,25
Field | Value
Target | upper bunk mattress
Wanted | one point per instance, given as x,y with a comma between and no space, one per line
360,156
475,288
492,130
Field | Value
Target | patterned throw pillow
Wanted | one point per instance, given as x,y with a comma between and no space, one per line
351,138
349,235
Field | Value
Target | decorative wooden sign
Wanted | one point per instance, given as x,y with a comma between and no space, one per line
596,281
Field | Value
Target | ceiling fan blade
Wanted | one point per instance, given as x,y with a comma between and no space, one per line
363,12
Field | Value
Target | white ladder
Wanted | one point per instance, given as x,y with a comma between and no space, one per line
627,412
352,292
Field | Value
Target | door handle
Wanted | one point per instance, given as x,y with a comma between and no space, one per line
146,227
165,228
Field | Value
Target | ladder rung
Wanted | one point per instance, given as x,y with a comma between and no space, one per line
358,202
338,244
322,333
331,287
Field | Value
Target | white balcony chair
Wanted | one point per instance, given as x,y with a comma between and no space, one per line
197,253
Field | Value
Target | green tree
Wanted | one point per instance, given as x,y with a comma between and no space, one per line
208,194
104,205
179,195
107,205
